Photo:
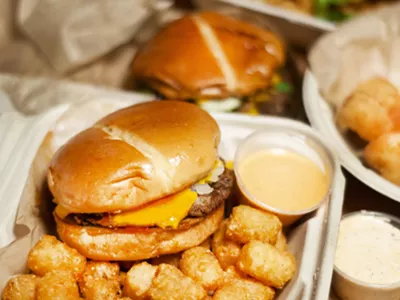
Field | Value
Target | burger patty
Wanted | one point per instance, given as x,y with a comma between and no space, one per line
221,190
203,205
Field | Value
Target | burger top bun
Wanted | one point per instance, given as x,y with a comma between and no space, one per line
134,156
208,55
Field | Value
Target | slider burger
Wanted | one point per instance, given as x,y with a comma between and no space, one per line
142,182
215,61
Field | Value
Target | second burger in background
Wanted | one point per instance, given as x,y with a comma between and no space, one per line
142,182
218,62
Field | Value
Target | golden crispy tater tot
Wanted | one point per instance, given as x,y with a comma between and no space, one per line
49,254
139,280
364,116
22,287
172,259
100,280
60,285
368,111
265,263
206,244
247,223
232,273
281,242
226,251
383,155
170,283
201,265
244,289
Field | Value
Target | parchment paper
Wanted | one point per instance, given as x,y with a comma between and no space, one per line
88,41
87,105
363,48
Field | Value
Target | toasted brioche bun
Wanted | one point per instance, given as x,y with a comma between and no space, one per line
121,244
208,55
134,156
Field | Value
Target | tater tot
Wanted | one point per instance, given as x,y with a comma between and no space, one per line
100,280
49,254
243,289
60,285
232,273
265,263
22,287
226,251
383,155
281,242
364,116
172,259
201,265
368,111
247,223
170,283
139,280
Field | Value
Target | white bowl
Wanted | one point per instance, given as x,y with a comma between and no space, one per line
321,117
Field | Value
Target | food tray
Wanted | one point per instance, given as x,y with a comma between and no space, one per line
321,116
299,29
312,241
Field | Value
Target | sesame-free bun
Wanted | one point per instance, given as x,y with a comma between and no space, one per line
208,55
135,243
134,156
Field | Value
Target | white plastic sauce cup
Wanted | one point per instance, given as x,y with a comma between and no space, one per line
301,141
350,288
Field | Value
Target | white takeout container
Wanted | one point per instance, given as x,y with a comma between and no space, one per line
300,139
321,116
299,29
351,288
312,241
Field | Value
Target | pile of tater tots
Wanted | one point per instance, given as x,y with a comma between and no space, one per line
246,258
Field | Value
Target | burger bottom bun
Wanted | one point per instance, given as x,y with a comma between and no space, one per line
137,244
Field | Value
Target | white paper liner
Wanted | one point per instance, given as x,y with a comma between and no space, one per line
312,242
363,48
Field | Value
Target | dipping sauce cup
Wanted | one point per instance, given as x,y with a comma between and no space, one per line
285,170
367,264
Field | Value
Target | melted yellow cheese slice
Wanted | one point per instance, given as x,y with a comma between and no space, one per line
61,211
167,212
209,176
229,165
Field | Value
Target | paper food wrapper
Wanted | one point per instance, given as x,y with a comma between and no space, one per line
88,41
361,49
86,105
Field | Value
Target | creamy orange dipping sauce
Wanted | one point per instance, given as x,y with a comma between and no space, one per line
283,179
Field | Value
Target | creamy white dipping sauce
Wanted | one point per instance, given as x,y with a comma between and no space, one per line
368,249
